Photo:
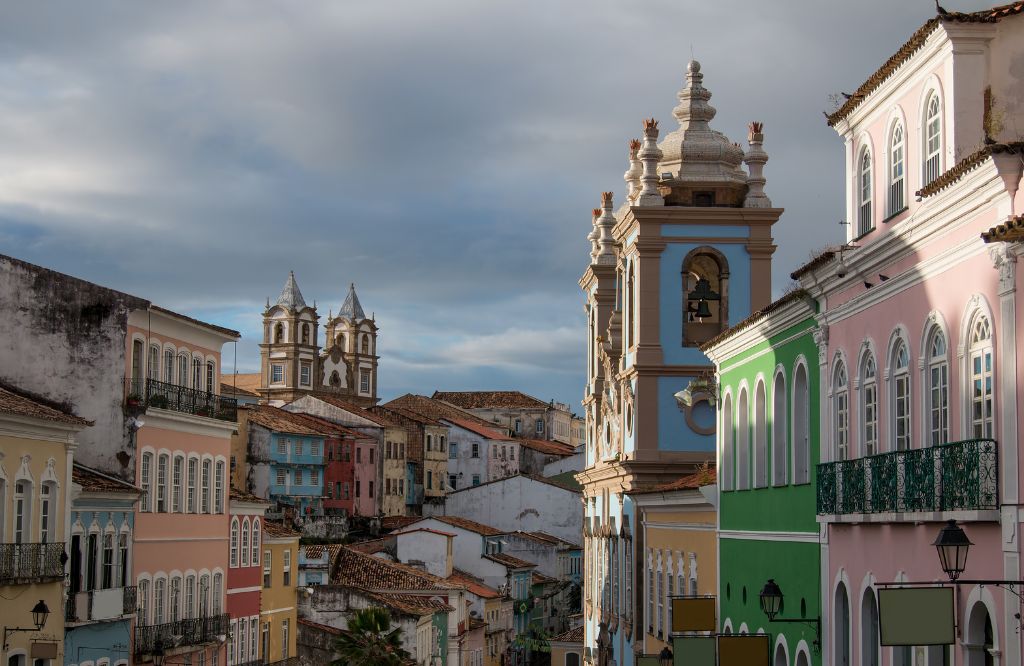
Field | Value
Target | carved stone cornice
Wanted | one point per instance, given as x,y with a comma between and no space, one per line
1004,259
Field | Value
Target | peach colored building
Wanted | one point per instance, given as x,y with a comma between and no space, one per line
917,319
182,431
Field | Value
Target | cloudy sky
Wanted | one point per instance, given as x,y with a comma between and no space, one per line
444,155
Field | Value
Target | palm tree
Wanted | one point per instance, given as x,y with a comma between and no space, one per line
370,639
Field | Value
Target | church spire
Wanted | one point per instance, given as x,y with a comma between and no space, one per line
351,307
291,297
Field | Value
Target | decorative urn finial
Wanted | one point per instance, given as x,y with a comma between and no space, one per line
755,159
649,155
632,175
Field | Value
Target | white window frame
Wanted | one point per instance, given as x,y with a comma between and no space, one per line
868,404
981,383
931,139
897,176
900,411
780,441
937,394
865,189
840,411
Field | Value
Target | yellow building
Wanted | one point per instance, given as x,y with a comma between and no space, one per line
37,441
278,616
678,541
567,648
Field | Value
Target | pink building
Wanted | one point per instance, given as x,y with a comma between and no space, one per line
918,317
244,576
182,431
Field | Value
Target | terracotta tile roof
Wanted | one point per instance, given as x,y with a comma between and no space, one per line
398,522
574,635
241,384
817,261
371,547
537,578
92,480
230,332
483,431
786,299
562,481
17,402
509,561
911,47
321,627
473,584
387,409
547,539
968,164
688,482
314,551
278,531
355,569
329,427
466,524
242,496
489,399
353,408
438,409
1011,230
409,604
548,447
424,529
279,420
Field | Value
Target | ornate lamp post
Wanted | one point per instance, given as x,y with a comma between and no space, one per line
771,605
39,614
952,545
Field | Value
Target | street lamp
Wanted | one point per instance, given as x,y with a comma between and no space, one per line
665,658
952,545
772,603
39,614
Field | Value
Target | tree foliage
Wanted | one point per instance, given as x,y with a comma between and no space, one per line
370,639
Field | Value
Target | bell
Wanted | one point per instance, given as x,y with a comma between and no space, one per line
702,309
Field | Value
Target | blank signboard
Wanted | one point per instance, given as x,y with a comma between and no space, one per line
916,615
647,661
693,614
693,651
748,650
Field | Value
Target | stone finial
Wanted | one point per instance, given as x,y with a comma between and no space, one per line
649,154
632,175
605,222
595,247
755,159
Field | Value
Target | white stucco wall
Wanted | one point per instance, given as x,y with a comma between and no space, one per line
573,463
426,547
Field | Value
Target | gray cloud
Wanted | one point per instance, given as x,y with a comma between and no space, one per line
442,155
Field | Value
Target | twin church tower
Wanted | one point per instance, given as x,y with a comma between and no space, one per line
293,364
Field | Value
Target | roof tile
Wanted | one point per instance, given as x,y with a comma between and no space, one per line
487,399
17,402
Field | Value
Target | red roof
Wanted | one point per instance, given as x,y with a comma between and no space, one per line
473,584
466,524
92,480
574,635
488,399
424,529
16,402
278,531
279,420
704,477
510,561
488,433
548,447
353,408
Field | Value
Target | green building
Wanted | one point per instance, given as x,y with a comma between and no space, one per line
767,370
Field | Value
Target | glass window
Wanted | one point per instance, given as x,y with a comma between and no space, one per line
197,373
153,368
234,542
286,566
540,426
159,600
145,473
161,483
244,559
938,389
218,487
841,413
982,419
933,140
896,171
282,478
193,473
182,369
175,599
255,542
276,373
306,374
176,483
864,221
475,452
211,373
901,427
190,596
47,497
869,406
143,594
266,568
169,366
218,593
205,490
476,479
122,559
298,447
107,563
364,381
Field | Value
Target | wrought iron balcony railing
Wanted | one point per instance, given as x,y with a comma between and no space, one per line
98,605
194,631
31,562
142,393
950,477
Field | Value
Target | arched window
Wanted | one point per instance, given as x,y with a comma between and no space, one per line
760,437
868,405
47,510
743,442
211,374
193,479
160,601
254,556
780,457
218,487
981,389
244,561
234,542
865,223
869,645
177,479
162,468
144,605
205,487
190,596
932,140
197,373
146,480
305,334
630,306
218,593
842,627
897,177
938,389
175,599
362,343
169,366
204,595
153,368
801,426
840,412
900,365
705,295
278,332
138,348
183,369
729,471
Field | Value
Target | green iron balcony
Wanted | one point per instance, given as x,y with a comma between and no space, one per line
143,393
950,477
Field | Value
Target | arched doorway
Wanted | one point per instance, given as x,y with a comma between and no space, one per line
980,637
801,659
869,629
841,639
780,656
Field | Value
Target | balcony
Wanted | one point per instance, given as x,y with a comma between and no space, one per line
99,605
31,562
959,476
195,631
143,393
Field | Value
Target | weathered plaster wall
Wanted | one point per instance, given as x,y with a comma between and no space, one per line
64,338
